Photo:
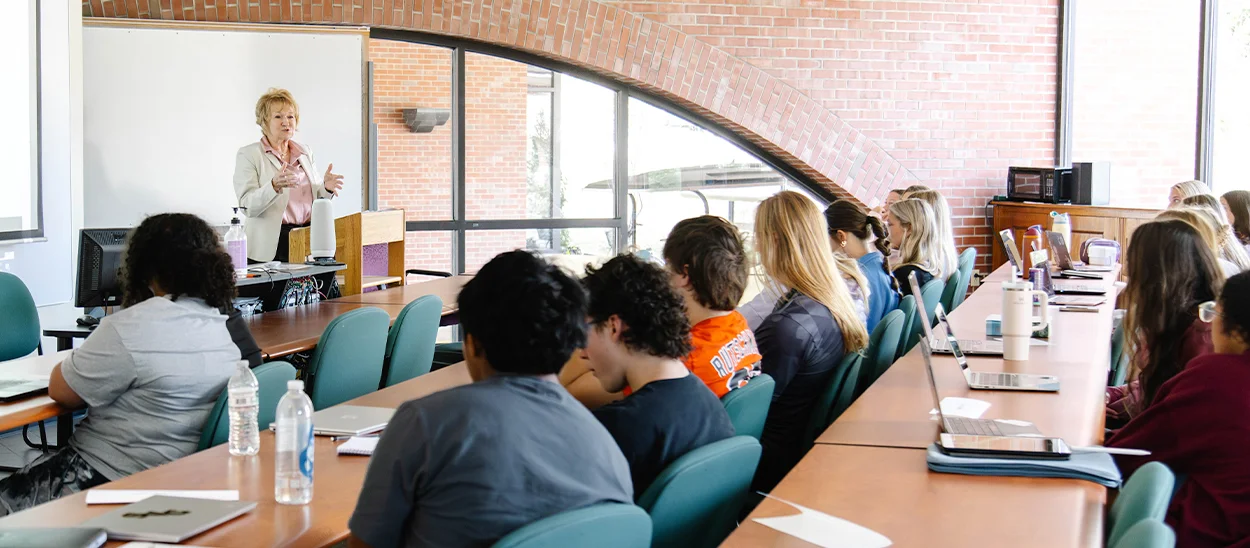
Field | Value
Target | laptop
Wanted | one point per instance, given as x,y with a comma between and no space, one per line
964,425
20,388
979,380
350,420
1068,288
1013,253
168,519
970,347
1063,259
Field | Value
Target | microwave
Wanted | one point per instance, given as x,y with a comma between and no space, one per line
1051,185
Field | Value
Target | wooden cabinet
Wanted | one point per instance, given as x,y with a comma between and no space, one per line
1113,223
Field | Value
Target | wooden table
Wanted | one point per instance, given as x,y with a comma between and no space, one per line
336,484
889,490
894,411
298,328
447,289
18,413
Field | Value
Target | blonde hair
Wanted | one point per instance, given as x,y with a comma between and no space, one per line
793,243
907,192
1191,188
921,246
272,100
1230,248
947,255
1201,223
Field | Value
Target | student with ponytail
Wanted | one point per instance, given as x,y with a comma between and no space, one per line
852,231
151,373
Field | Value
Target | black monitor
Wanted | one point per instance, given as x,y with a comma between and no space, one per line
99,265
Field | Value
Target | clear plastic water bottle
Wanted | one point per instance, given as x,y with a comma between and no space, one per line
244,405
293,465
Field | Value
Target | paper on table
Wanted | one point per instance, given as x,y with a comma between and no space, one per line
962,407
823,529
127,496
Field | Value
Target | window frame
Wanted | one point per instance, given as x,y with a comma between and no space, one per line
459,224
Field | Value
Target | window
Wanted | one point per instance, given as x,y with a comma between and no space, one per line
1231,137
573,248
1135,94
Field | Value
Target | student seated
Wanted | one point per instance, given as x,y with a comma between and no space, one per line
468,465
1231,249
638,337
1207,228
913,231
810,330
151,373
947,255
851,231
1237,207
1162,311
1185,189
1199,426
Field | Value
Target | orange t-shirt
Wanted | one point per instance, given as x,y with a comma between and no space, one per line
725,356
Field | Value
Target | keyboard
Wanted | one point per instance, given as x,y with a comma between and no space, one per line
996,379
11,383
971,427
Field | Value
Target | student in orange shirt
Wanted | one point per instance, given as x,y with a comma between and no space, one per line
708,265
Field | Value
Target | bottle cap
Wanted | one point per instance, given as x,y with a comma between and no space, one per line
295,385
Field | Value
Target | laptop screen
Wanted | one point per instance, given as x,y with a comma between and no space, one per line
1063,259
928,369
941,315
1013,253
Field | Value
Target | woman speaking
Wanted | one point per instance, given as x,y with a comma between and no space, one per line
276,179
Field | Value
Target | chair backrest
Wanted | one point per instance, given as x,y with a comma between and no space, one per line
748,406
967,263
837,396
607,525
1145,495
908,306
948,291
1150,533
271,385
1119,358
695,501
348,360
410,341
19,324
882,350
932,293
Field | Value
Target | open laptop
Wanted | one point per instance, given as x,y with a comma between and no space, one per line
16,388
970,347
1063,260
965,425
1068,288
980,380
349,420
1013,256
168,519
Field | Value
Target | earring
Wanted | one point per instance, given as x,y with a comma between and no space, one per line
843,244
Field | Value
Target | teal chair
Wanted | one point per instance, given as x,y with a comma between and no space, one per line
1119,358
694,503
19,324
932,294
410,341
948,292
748,406
906,305
882,349
607,525
1150,533
446,354
837,396
967,263
1145,496
271,381
348,360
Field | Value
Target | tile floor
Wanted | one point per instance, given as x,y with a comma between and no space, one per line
15,453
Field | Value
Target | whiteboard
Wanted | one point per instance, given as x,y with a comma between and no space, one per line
166,110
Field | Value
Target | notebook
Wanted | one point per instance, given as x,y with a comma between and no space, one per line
1096,467
61,537
359,445
168,519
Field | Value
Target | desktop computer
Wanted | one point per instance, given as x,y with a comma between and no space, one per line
99,265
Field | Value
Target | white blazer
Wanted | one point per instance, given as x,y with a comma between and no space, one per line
253,172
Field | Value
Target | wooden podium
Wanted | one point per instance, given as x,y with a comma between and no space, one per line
352,233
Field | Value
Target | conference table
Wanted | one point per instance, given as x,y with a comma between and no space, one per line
322,522
869,466
20,412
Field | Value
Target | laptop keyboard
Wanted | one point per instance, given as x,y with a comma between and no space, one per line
972,427
997,379
11,383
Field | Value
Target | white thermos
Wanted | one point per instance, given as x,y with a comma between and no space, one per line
1018,326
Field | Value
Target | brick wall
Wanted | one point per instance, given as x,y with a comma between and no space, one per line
1135,94
861,96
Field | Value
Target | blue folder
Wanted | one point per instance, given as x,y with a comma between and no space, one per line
1099,468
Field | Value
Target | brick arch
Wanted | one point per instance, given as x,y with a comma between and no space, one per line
610,41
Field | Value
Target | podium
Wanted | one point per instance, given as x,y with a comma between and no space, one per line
352,233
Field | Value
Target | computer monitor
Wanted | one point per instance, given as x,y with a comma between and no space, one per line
99,264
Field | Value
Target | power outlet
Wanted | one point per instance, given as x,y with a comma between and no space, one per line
976,279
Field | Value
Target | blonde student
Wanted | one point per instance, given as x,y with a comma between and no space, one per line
914,231
1231,249
947,255
1185,189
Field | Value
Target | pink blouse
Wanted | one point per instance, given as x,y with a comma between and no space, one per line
299,205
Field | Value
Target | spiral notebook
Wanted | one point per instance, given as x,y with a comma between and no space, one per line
359,445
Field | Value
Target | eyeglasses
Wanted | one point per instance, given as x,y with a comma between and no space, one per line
1207,312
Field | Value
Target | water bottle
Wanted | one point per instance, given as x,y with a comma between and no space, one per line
293,468
244,405
236,244
1060,223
